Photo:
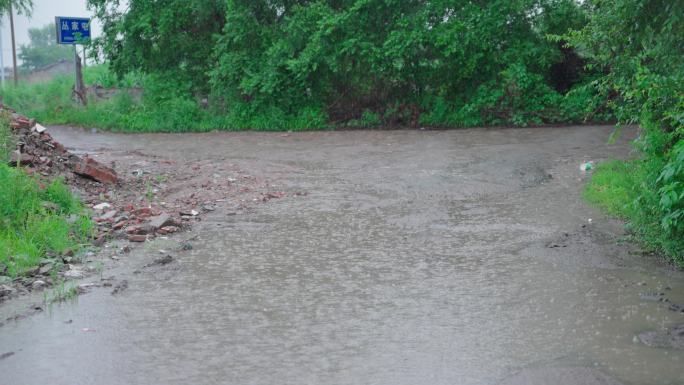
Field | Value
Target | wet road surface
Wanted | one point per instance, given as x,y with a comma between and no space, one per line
416,257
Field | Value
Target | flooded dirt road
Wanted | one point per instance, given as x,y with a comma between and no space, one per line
414,257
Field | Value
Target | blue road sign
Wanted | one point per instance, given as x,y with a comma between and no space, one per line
72,30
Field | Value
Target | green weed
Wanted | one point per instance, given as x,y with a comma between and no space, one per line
625,189
36,222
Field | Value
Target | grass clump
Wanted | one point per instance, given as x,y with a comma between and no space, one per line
629,190
36,221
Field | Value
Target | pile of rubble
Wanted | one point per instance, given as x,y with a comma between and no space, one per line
97,184
39,152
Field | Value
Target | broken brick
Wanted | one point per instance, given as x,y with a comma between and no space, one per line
23,159
91,168
137,238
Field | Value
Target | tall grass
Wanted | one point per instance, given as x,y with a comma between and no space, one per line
164,106
625,189
36,221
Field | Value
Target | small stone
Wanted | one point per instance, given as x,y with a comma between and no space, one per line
38,284
84,288
108,215
74,274
170,229
46,269
32,271
120,287
161,261
140,229
5,291
160,221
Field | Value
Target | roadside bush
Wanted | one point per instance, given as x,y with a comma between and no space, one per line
364,63
638,43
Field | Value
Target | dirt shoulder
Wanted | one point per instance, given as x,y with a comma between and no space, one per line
132,197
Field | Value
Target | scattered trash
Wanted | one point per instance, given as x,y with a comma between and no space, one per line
586,166
88,330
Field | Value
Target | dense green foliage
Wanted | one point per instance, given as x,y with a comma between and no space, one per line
18,6
34,218
169,38
640,44
43,49
159,108
441,63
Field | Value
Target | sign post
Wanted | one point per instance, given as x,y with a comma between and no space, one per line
73,31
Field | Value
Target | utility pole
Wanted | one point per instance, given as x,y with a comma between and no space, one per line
2,54
79,88
14,47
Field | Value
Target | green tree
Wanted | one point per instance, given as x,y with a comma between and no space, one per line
9,7
20,6
396,57
43,48
638,44
451,62
170,38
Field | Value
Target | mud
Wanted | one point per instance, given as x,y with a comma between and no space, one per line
394,257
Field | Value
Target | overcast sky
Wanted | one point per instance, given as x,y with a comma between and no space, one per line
44,12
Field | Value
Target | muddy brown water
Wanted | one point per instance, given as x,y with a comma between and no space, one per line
417,257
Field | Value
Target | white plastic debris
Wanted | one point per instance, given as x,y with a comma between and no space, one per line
39,128
102,206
